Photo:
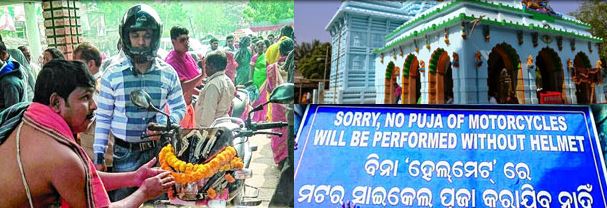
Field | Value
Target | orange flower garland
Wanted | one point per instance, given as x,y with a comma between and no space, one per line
188,172
211,193
229,178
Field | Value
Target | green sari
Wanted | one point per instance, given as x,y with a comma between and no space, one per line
243,57
259,75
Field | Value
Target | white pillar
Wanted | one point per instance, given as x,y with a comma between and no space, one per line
425,85
569,86
599,93
529,80
31,26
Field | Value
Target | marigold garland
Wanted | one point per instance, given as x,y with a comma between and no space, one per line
211,193
188,172
229,178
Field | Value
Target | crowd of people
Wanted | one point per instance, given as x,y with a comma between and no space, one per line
77,113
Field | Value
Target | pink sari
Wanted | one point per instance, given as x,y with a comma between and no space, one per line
260,116
277,112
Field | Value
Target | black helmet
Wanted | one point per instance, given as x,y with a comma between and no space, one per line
140,17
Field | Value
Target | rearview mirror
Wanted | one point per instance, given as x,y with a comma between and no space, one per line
283,93
142,99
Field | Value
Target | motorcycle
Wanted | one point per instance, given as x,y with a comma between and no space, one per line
243,98
211,164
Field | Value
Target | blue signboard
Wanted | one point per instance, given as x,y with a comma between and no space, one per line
449,156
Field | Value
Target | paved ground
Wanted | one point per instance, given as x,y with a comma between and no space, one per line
265,172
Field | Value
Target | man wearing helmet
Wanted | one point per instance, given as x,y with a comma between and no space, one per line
140,32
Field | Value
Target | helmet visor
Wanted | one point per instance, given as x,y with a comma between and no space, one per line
141,21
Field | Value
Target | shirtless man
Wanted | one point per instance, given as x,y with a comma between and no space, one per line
42,163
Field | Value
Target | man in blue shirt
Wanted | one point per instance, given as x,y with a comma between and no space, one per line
139,68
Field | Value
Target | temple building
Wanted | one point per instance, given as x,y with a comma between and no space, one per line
358,27
478,52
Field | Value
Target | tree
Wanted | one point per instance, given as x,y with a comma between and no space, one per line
595,13
310,59
269,10
216,18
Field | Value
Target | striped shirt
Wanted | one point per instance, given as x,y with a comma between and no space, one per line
115,112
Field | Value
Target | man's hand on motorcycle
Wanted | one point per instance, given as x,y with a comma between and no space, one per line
147,171
159,184
153,134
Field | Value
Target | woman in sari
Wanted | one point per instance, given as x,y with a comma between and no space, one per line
243,57
258,64
259,68
276,75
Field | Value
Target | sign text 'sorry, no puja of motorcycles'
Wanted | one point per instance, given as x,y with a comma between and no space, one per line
487,156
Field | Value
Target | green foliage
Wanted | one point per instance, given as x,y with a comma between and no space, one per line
199,17
202,18
272,11
310,59
594,13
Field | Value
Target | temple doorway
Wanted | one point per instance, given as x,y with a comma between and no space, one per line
440,77
584,91
502,74
549,77
411,80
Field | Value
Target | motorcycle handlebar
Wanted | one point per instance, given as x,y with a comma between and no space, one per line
245,85
251,133
159,127
270,125
270,133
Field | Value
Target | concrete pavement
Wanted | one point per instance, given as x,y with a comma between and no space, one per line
265,171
